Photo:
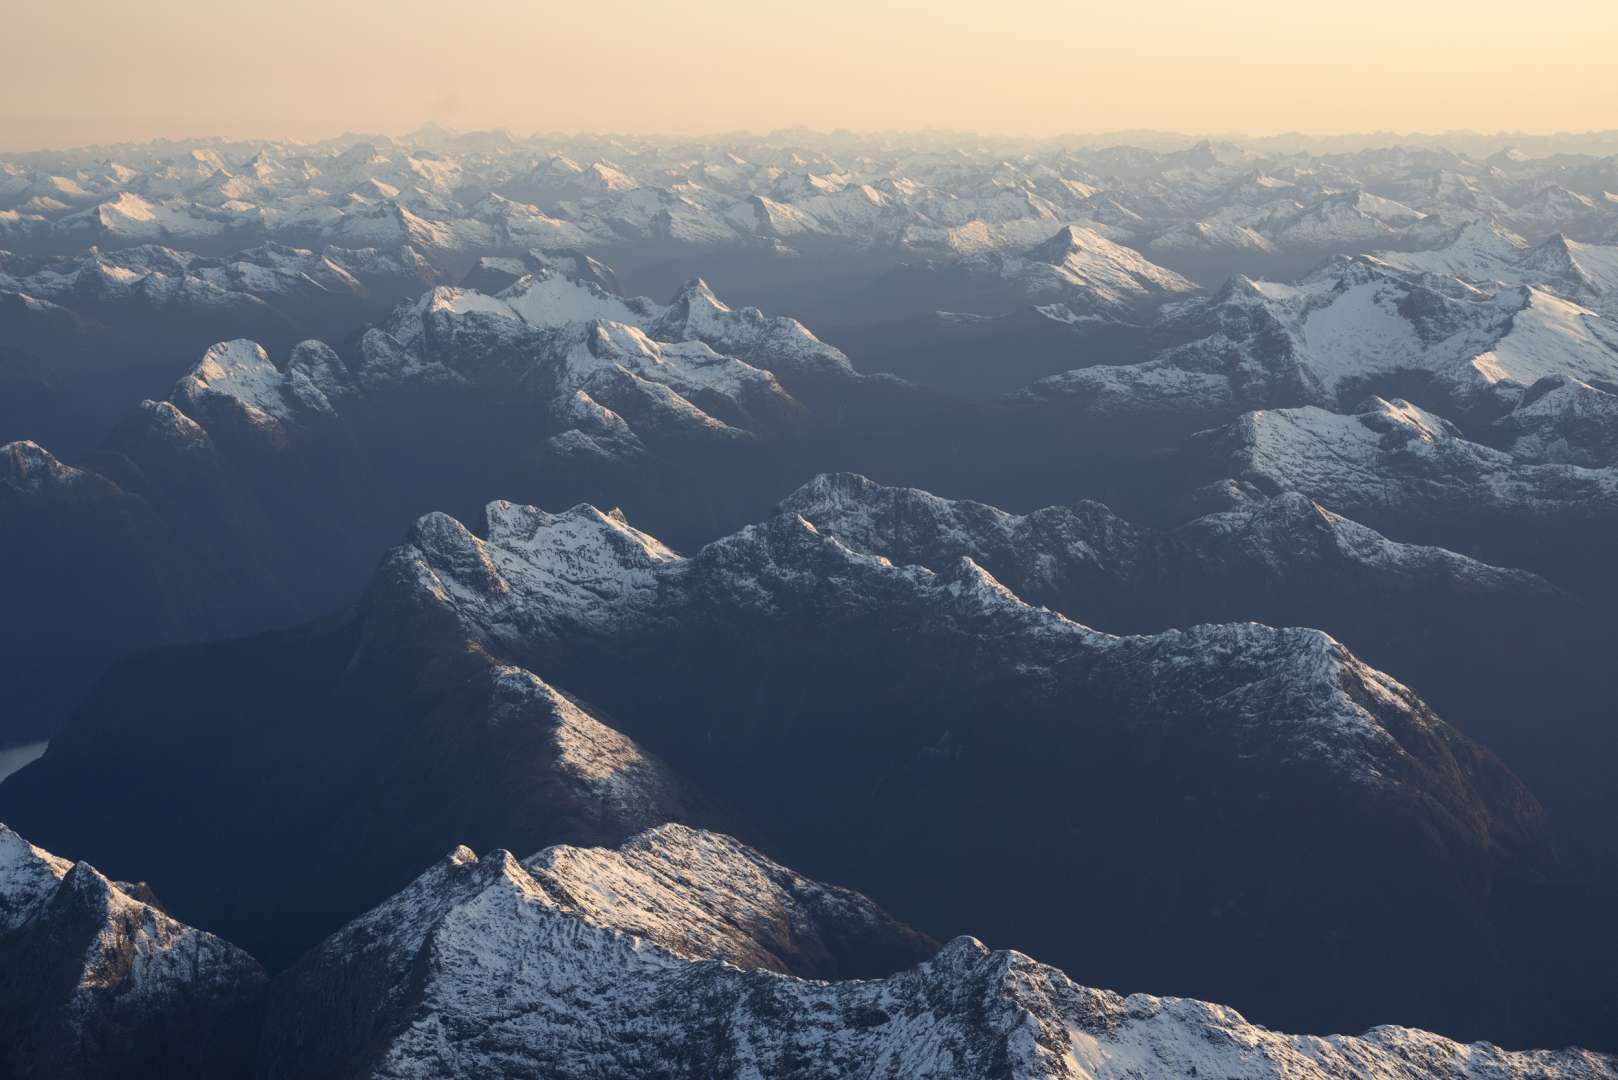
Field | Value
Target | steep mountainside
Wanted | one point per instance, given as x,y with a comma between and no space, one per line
959,715
101,982
395,730
89,546
672,893
1411,474
1514,661
614,996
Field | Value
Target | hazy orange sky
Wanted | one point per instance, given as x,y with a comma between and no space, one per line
76,72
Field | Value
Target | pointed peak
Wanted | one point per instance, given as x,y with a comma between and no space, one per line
1288,511
28,452
86,881
436,530
608,339
1067,240
1238,287
960,951
28,466
561,546
17,854
1560,256
167,417
1397,414
966,578
827,488
495,861
1558,242
238,353
696,291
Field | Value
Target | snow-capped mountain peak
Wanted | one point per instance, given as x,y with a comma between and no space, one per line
29,877
101,982
627,987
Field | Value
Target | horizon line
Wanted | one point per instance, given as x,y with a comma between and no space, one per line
1194,137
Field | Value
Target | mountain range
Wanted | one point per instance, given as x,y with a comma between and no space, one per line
1183,564
477,664
679,948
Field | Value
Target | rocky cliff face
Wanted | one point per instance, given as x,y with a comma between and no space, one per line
102,982
493,966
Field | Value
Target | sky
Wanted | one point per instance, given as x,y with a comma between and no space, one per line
81,71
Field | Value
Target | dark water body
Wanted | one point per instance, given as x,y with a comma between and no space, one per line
13,758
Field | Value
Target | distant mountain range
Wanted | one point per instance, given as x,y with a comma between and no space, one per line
449,196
